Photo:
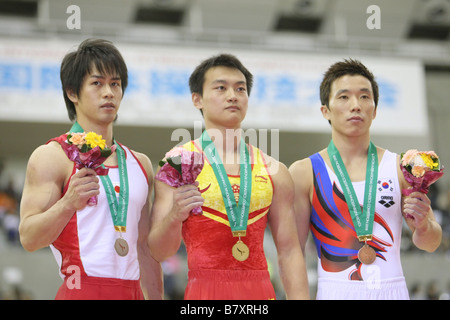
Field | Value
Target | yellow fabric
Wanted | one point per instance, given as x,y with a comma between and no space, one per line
262,188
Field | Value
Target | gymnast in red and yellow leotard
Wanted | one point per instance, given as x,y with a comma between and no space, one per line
213,271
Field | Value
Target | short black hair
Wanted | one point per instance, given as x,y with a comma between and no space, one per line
197,78
91,53
343,68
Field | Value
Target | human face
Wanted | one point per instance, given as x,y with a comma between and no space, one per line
99,99
224,102
351,105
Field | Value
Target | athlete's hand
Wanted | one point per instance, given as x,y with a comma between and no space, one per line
186,198
417,207
83,185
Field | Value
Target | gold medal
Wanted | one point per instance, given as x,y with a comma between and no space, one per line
367,254
121,247
240,251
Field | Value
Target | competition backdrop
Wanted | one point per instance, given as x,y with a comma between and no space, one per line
285,93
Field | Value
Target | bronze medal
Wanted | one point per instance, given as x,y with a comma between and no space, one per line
240,251
121,247
367,254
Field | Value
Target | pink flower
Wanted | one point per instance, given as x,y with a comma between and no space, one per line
180,167
78,138
175,152
420,169
408,156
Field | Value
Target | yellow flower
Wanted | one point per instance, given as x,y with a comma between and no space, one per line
429,161
93,140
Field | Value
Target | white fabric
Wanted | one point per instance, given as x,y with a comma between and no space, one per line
371,289
388,273
96,233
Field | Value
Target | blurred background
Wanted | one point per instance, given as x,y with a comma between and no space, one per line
286,44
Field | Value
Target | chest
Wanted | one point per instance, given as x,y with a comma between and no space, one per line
355,168
260,185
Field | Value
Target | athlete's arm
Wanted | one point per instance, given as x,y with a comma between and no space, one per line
151,275
282,225
419,216
301,173
43,213
171,207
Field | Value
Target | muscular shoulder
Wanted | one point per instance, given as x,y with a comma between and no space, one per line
50,154
282,181
302,175
145,162
49,162
301,168
300,165
274,166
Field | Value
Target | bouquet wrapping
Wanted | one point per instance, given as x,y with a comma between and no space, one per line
180,167
421,169
88,150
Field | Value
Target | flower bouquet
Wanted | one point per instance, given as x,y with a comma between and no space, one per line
180,167
88,150
420,169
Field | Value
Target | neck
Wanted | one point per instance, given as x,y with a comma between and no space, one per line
351,146
226,140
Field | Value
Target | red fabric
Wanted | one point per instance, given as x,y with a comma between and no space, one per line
67,244
214,274
209,244
92,288
59,139
229,285
213,271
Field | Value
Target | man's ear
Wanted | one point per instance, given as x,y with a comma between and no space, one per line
197,100
71,95
325,112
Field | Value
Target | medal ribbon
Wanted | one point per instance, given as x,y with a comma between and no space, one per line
119,208
362,219
237,213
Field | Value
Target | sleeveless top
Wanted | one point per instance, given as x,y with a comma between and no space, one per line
332,226
86,244
208,238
